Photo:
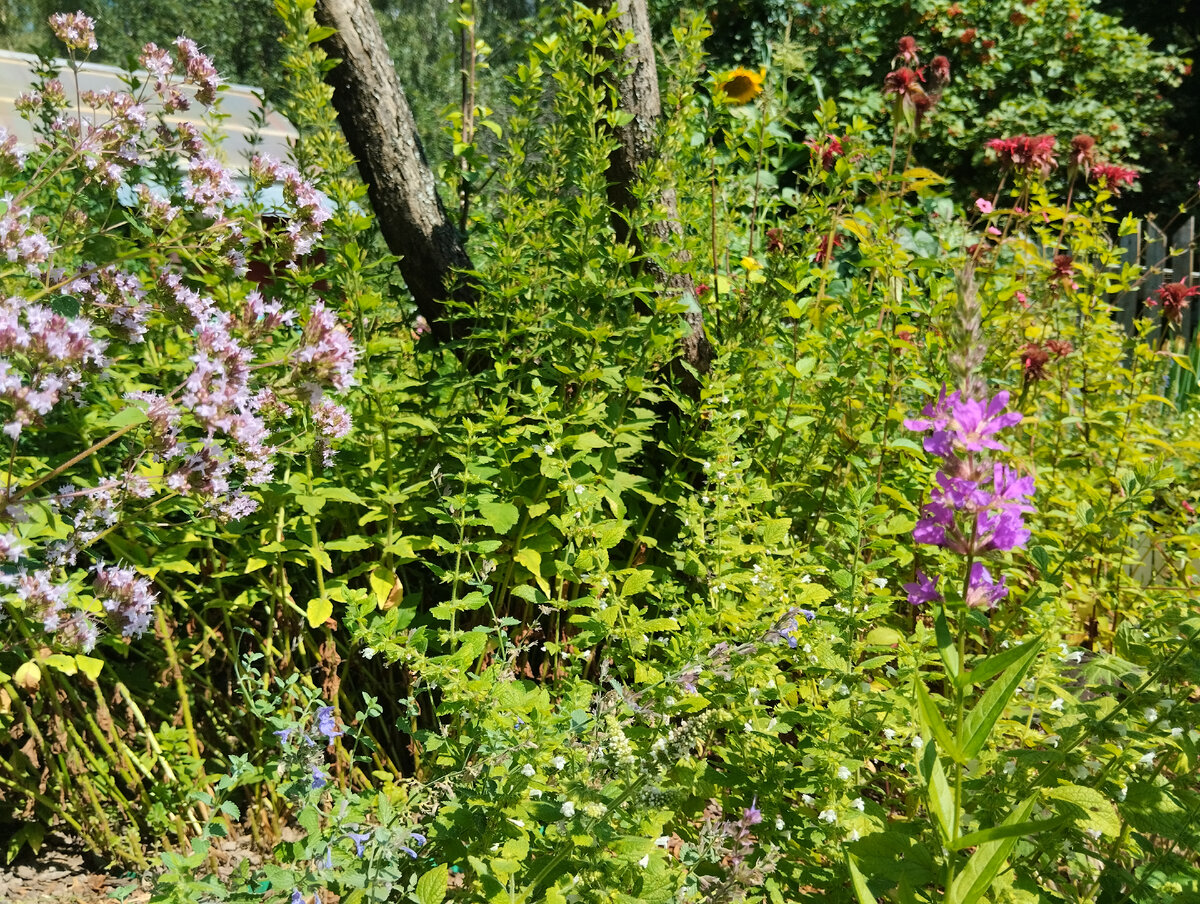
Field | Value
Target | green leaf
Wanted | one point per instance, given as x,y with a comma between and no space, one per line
945,642
932,719
987,711
431,887
319,609
859,882
1099,813
65,306
348,544
636,581
976,877
500,516
127,417
89,665
995,833
994,665
937,791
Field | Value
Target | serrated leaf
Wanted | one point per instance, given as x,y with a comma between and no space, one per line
500,516
636,582
431,887
1101,813
937,791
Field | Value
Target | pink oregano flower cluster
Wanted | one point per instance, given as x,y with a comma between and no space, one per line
978,505
250,368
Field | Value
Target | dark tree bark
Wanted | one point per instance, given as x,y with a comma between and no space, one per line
639,97
379,127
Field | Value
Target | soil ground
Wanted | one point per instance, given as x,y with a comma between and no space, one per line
62,872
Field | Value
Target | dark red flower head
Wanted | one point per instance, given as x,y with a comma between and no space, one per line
902,82
939,74
907,50
775,241
1064,267
830,150
1025,153
1034,359
1083,153
1174,298
1060,348
1112,177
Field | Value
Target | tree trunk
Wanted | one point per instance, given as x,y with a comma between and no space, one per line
379,127
639,97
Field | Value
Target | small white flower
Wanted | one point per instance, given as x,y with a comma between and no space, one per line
1147,759
879,582
808,800
535,793
1122,791
559,763
828,816
1057,705
1094,833
779,824
568,809
528,771
644,862
1151,714
749,727
853,836
368,653
843,773
889,733
578,491
859,804
548,448
662,841
519,823
917,742
1010,767
1176,732
806,579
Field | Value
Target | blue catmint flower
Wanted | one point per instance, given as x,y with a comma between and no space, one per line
297,898
409,851
418,838
326,724
319,779
283,734
360,840
327,860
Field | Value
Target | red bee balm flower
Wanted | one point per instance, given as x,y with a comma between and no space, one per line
1025,153
1112,177
1174,298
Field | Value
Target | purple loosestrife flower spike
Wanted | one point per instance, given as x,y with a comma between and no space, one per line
982,590
923,590
325,723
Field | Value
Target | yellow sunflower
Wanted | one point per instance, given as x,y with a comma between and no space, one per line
742,85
